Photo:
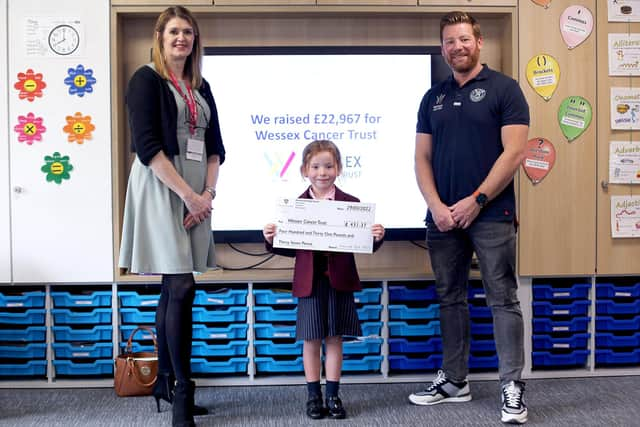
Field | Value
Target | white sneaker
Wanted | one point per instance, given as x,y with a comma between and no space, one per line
514,411
442,390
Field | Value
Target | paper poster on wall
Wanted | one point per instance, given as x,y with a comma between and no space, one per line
624,54
30,85
29,128
539,159
625,216
57,168
78,128
625,108
80,80
576,24
543,74
624,162
624,10
574,116
53,36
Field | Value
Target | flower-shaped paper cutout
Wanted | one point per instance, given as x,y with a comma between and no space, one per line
30,85
79,128
29,128
80,81
57,168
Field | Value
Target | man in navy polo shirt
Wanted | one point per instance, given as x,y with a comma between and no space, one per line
471,137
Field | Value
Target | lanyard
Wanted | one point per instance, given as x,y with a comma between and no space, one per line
190,101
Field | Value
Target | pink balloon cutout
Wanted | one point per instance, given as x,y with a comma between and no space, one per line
576,24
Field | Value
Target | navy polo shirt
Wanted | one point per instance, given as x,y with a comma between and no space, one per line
465,124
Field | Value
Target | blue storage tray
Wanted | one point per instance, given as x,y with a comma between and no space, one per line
269,364
33,316
402,312
231,314
274,297
579,324
546,358
233,365
550,292
31,368
402,345
269,348
368,296
605,339
233,348
269,314
97,333
403,329
366,363
483,362
25,299
72,350
608,323
611,357
547,342
26,351
64,316
137,317
606,306
136,347
362,346
126,330
232,332
93,299
369,312
404,363
134,299
476,293
483,345
69,367
479,312
371,329
28,334
481,328
609,290
222,297
402,293
576,308
268,330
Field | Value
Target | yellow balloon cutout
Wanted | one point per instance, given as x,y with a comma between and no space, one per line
543,74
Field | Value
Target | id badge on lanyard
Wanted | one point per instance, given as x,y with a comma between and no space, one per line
195,149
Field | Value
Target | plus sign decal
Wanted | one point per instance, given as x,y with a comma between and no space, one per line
30,85
29,128
79,128
80,81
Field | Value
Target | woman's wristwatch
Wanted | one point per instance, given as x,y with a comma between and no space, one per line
211,191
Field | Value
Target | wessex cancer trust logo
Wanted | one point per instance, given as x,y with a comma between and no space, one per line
278,164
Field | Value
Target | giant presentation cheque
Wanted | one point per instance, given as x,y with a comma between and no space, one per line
324,225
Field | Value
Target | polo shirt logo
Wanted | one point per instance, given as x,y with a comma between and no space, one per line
477,95
439,99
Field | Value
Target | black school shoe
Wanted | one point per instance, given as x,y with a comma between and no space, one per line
334,406
315,410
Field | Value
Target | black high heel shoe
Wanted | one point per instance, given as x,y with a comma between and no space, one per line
164,389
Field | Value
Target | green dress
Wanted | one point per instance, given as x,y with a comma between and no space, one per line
153,237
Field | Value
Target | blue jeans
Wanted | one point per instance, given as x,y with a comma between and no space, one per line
451,253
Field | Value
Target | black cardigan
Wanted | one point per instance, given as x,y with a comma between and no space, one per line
153,116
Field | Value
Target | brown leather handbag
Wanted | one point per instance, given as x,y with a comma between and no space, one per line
136,372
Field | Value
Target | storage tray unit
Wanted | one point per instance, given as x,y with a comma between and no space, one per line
23,349
560,323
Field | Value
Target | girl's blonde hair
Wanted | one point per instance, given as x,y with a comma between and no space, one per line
192,68
318,146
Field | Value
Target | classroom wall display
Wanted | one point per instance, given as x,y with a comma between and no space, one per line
625,216
539,159
574,116
543,74
57,168
623,10
624,162
625,108
624,54
78,128
576,24
30,85
543,3
29,128
80,80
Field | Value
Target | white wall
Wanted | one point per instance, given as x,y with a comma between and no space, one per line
60,233
5,242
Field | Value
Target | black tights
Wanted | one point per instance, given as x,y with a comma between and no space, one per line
174,325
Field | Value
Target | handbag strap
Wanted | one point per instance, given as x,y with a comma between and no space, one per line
141,328
136,376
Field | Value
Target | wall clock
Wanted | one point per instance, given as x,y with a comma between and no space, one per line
64,39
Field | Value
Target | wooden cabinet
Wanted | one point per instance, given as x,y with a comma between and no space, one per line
458,3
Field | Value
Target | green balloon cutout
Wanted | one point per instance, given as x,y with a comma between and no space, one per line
574,116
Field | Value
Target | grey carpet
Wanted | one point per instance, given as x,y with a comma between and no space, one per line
599,401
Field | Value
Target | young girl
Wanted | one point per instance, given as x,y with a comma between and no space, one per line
324,283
